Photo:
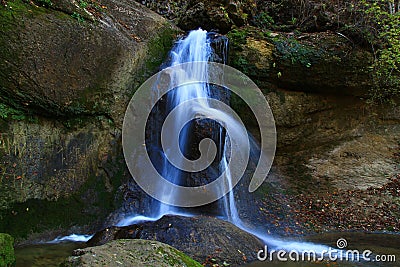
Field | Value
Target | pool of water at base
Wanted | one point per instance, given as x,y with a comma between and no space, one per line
380,244
45,255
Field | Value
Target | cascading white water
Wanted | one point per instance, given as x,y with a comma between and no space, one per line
196,47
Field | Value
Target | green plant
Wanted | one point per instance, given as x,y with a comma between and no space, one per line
83,4
7,112
225,13
263,20
7,257
384,18
78,17
238,36
297,53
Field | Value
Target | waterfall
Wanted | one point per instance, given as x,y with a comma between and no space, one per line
223,128
195,47
198,47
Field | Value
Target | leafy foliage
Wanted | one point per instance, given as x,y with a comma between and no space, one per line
7,257
384,17
83,4
7,112
297,53
78,17
263,20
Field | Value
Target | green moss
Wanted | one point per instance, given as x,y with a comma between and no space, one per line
7,257
242,56
159,47
263,20
17,8
186,259
174,257
237,37
297,53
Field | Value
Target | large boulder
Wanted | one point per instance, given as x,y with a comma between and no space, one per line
202,238
66,76
138,253
59,64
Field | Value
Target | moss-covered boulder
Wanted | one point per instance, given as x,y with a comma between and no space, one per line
59,64
7,257
131,253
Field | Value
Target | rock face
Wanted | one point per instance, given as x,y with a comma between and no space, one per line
61,66
209,15
138,253
338,141
309,62
7,257
66,76
202,238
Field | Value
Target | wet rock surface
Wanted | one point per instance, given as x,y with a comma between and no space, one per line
202,238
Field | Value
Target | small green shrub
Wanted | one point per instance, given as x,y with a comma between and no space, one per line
7,257
7,112
297,53
263,21
78,17
83,4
